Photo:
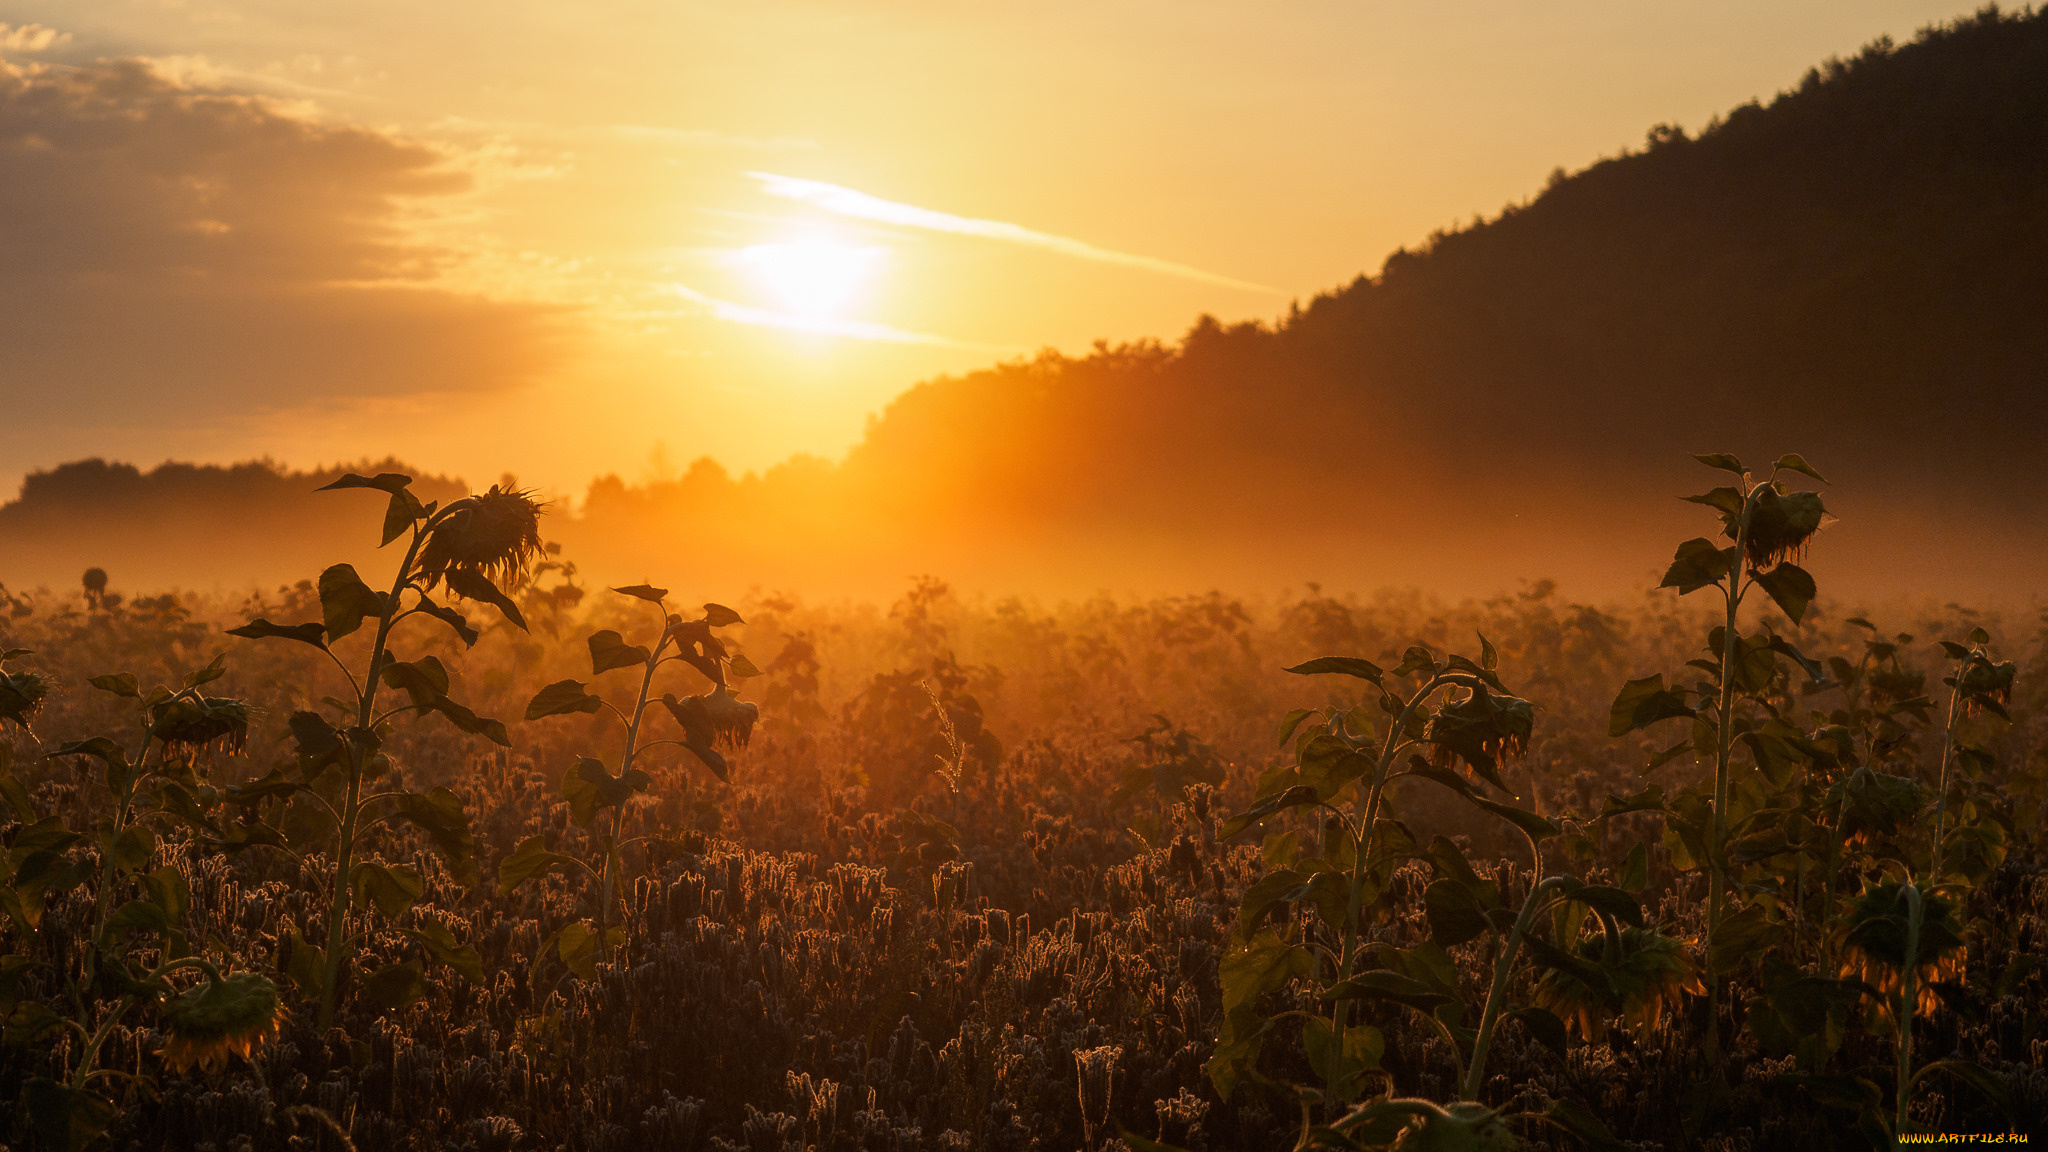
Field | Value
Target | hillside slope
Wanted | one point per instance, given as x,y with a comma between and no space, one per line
1853,271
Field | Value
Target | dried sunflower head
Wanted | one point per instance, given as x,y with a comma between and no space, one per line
1482,729
1875,932
229,1016
1872,803
21,694
1648,973
1780,524
195,722
495,535
1894,686
1984,686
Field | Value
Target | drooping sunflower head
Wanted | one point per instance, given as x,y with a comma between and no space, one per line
1894,686
1986,687
495,535
1482,729
1780,524
1877,931
231,1016
194,722
1648,971
21,695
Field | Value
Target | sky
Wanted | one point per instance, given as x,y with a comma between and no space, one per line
561,240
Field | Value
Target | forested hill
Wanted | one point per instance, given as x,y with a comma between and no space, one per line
1856,270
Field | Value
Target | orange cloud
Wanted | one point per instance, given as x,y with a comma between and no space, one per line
181,251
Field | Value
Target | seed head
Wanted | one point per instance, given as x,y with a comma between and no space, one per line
495,535
21,694
1876,935
1481,730
1780,524
196,721
229,1016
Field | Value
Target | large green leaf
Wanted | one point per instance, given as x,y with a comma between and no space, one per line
261,629
1340,665
119,683
1644,702
345,601
440,943
65,1119
396,985
1791,586
588,787
530,861
581,946
609,650
1697,564
440,816
472,585
561,698
449,616
1455,914
1262,964
393,890
1394,987
1265,806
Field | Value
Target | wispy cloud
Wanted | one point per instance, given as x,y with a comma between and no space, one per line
29,37
849,202
823,325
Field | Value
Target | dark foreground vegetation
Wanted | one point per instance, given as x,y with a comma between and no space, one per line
478,858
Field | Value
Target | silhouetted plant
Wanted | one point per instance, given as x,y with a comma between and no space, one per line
473,546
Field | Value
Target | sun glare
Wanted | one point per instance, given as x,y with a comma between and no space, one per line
811,276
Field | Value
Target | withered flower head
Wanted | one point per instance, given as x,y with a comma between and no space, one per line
229,1016
1780,525
1648,972
1875,933
495,535
1986,686
1890,687
1481,730
21,693
197,721
1873,803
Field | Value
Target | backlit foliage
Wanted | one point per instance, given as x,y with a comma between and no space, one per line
971,875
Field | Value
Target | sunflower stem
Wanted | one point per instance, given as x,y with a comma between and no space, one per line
1496,997
1717,872
1908,997
611,856
358,753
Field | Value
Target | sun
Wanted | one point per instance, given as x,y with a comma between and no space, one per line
812,276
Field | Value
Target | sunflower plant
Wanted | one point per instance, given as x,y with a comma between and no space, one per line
1452,722
335,796
138,936
708,720
1741,713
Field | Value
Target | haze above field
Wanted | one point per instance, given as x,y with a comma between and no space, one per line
571,243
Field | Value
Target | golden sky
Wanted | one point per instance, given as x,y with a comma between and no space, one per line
562,239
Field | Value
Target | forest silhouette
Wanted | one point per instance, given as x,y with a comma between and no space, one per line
1851,270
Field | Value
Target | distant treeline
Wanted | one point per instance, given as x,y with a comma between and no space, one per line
1852,271
188,524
